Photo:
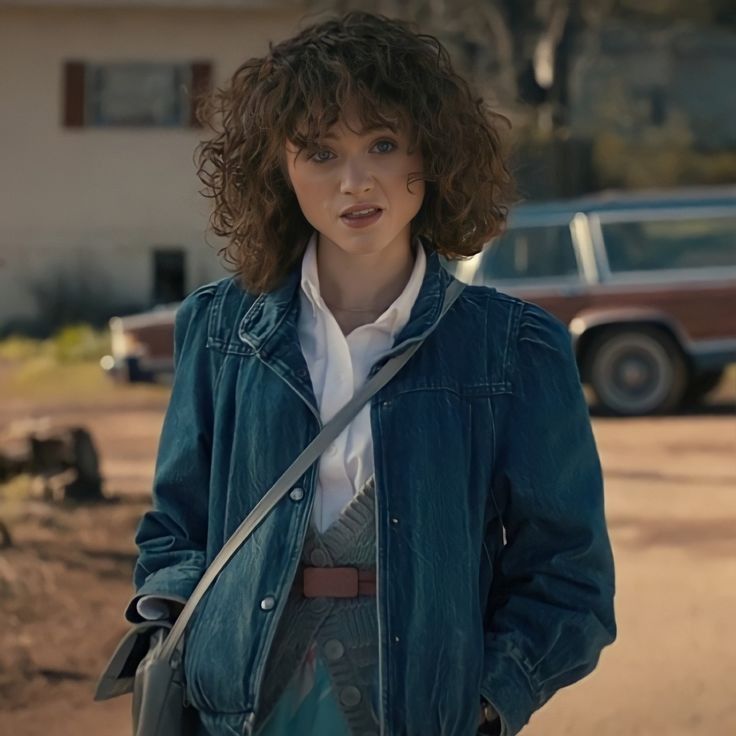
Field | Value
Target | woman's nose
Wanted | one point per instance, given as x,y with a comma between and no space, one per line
355,177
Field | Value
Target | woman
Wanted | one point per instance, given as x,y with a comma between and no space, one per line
445,566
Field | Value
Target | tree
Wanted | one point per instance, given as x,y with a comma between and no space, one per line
518,52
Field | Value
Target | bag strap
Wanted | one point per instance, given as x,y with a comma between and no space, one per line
291,475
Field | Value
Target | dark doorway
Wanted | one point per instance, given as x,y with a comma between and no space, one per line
169,275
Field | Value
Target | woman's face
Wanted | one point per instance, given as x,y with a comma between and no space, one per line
348,169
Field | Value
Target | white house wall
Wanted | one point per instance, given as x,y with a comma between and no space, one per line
96,201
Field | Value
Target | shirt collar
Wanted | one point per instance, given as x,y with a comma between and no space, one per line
396,315
269,325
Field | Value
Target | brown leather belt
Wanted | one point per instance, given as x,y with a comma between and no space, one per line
335,582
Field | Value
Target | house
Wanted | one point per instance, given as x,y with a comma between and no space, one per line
656,103
100,212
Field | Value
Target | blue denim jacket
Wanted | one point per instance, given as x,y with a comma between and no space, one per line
495,574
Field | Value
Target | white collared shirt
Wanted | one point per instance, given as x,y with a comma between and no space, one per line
338,365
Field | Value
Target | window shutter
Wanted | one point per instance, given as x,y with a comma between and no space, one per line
74,94
201,81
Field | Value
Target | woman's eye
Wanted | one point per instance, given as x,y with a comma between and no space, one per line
316,157
386,142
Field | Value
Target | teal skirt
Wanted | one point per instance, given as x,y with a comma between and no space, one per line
308,706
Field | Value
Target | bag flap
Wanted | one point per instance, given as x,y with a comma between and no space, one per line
119,673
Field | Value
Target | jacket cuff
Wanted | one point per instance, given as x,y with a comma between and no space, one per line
173,583
507,688
155,607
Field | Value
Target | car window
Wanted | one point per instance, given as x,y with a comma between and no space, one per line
531,253
674,243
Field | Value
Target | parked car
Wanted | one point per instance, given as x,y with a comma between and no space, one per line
646,282
142,346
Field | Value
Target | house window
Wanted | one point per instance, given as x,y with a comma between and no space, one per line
133,94
169,275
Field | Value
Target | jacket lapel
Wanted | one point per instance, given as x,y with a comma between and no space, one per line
270,326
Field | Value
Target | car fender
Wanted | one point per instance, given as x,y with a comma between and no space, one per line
589,320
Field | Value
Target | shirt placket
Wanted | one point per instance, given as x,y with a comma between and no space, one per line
338,390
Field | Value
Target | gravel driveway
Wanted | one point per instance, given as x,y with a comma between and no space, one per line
671,505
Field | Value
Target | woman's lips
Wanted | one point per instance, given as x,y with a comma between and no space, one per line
361,220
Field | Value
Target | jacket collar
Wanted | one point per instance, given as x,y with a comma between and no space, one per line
271,321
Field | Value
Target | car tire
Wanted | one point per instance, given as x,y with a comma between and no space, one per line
636,371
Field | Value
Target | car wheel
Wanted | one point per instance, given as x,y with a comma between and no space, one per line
635,372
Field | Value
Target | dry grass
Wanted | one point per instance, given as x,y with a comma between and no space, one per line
64,368
42,379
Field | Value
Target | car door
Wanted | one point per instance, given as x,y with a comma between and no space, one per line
540,260
680,262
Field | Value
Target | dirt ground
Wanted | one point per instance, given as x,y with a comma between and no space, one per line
671,505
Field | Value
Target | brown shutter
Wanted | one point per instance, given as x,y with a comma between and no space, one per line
201,81
74,94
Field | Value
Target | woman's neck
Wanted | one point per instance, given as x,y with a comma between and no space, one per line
359,288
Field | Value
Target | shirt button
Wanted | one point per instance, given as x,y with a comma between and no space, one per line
350,696
268,603
297,494
334,649
318,557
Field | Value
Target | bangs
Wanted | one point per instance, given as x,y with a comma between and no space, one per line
310,123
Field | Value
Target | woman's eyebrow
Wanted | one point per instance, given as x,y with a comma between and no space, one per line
366,131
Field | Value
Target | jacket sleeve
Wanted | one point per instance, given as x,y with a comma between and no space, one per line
172,536
550,610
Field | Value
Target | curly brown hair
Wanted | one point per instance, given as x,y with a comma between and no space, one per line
297,91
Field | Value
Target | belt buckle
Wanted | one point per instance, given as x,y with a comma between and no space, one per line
330,582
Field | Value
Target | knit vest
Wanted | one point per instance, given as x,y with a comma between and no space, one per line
344,629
